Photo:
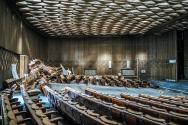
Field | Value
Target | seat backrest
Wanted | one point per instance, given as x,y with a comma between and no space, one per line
13,122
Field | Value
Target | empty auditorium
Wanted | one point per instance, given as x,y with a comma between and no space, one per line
93,62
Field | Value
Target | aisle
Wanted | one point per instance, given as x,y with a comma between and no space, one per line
174,86
116,91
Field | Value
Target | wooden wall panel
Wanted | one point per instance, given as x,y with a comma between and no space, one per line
161,49
186,54
15,36
95,52
6,59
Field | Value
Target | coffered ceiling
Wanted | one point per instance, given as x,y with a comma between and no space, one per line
102,17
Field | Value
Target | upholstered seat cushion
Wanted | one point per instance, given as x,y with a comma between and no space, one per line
7,101
34,106
165,97
8,107
119,107
72,102
119,98
107,103
40,113
107,120
154,118
15,111
134,112
159,109
170,105
19,117
33,92
143,95
13,122
27,98
11,115
30,102
143,98
46,121
13,106
34,98
175,98
92,113
182,107
65,97
80,107
178,114
143,105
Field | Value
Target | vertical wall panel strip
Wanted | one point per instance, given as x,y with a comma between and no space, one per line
6,59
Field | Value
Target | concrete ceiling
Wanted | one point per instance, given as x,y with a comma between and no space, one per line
103,17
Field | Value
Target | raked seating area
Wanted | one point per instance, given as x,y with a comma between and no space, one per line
100,108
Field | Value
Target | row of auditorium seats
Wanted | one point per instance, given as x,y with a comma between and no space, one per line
158,103
116,111
54,74
14,113
108,80
120,81
143,109
176,98
38,112
12,83
30,82
76,110
32,112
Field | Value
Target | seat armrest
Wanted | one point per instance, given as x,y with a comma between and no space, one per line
25,120
49,113
56,119
13,100
17,107
15,103
21,113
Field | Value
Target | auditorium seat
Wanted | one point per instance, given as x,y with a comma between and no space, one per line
118,102
142,110
16,114
102,82
179,114
88,120
108,120
159,109
165,104
92,113
85,79
131,120
77,116
68,110
155,119
135,107
78,78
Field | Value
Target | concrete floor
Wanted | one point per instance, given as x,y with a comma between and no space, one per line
116,91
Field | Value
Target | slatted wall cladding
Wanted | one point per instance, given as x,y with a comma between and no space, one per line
6,59
17,37
186,54
84,53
